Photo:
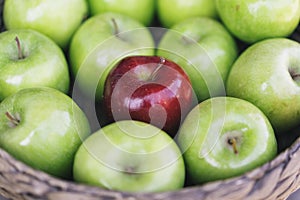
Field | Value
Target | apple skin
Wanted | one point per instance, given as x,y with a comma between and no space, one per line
204,139
205,50
50,129
130,156
56,19
267,74
142,11
102,41
171,12
255,20
149,89
44,63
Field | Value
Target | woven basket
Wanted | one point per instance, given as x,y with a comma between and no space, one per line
274,180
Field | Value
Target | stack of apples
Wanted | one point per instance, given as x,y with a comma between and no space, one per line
151,95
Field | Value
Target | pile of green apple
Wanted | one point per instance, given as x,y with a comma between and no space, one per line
148,95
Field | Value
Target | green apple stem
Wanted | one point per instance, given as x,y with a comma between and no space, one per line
129,170
296,76
20,54
14,121
233,143
159,66
187,40
116,28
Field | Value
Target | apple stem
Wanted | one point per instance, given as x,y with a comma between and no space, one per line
20,54
294,73
13,120
187,40
116,28
129,170
295,76
159,66
233,143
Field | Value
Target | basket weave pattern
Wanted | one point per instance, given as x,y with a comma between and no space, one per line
274,180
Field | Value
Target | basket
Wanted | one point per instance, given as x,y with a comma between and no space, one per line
276,179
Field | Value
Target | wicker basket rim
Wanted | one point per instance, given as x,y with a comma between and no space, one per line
45,183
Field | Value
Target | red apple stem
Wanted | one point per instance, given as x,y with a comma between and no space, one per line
233,143
159,66
20,54
14,121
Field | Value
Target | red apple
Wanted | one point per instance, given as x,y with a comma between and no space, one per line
151,89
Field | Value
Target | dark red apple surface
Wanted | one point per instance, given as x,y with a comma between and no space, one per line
150,89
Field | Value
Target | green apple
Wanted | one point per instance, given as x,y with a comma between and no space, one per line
28,59
142,11
130,156
43,128
57,19
255,20
171,12
268,75
205,50
224,137
100,43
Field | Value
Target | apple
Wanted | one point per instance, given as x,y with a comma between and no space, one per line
56,19
149,89
171,12
224,137
255,20
142,11
205,50
267,74
99,43
29,59
43,128
130,156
